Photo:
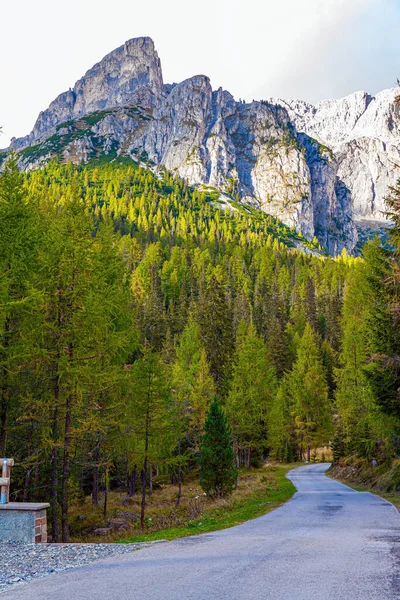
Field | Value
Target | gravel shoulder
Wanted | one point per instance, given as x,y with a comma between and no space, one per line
24,562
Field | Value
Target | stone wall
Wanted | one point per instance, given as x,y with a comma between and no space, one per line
23,522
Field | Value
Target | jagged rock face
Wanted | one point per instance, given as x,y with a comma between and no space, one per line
318,168
364,134
131,74
368,167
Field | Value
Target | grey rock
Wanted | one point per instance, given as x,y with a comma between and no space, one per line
118,524
102,531
320,169
128,515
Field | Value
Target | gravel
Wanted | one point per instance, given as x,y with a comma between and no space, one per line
23,562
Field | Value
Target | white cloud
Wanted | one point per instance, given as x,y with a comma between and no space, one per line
254,48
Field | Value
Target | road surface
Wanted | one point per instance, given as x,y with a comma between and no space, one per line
328,543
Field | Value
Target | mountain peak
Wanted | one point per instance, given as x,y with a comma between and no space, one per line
320,168
143,44
126,75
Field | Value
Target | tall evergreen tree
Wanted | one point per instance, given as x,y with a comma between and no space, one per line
19,237
193,386
353,396
309,390
384,367
217,467
149,415
215,320
252,391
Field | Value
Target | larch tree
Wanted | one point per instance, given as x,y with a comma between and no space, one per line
19,301
149,415
251,395
309,390
193,386
353,396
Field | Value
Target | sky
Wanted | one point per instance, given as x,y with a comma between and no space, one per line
307,49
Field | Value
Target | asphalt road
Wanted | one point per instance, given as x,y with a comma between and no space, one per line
327,543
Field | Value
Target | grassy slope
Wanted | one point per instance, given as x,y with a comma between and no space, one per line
270,490
381,480
259,491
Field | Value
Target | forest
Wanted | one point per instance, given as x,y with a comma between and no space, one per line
133,309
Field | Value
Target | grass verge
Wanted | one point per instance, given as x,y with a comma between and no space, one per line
274,489
380,481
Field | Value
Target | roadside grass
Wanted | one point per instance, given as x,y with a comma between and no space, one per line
382,480
259,491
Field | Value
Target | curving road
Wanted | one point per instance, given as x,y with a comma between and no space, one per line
328,543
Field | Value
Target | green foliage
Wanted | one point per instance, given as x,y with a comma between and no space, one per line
193,385
234,511
353,395
309,393
128,299
217,469
218,340
253,388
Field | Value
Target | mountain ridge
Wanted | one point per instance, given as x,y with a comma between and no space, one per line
319,168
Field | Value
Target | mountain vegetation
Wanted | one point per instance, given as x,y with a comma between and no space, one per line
148,329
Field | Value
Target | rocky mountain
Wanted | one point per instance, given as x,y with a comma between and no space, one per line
322,169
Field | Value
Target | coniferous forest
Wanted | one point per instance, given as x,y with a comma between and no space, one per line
142,327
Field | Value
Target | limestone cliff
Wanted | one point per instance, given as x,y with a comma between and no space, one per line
320,169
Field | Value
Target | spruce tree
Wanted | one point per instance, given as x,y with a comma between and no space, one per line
217,461
215,320
384,368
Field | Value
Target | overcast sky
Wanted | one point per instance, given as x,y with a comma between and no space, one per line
309,49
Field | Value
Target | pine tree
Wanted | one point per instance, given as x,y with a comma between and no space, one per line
252,391
384,368
193,386
19,301
309,390
217,468
215,320
353,396
149,415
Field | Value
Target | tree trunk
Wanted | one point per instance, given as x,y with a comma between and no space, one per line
3,425
36,482
27,485
144,471
178,499
308,453
143,505
65,473
55,529
95,484
131,482
151,480
105,492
